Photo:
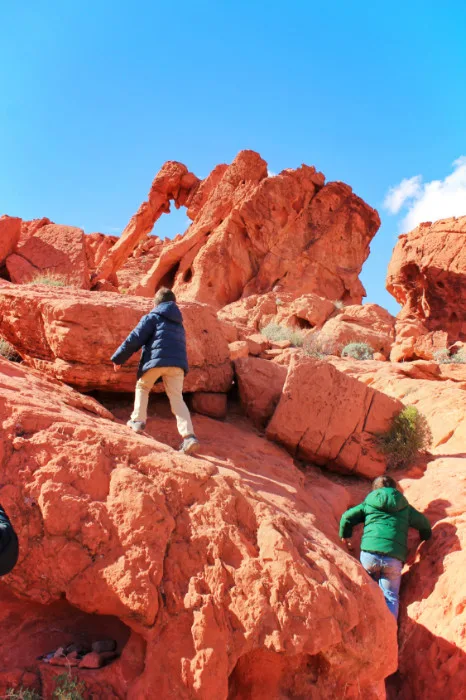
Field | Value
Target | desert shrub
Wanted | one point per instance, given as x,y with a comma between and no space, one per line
296,339
51,279
22,694
408,435
274,332
7,351
338,304
358,351
313,346
68,688
443,357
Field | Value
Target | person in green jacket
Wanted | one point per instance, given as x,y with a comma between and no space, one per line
387,517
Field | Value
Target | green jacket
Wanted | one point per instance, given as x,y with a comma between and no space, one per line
387,517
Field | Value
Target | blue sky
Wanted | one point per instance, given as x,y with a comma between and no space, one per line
95,96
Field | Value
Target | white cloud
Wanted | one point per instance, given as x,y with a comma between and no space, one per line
270,173
396,197
429,201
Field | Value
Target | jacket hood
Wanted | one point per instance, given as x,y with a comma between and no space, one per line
170,311
386,499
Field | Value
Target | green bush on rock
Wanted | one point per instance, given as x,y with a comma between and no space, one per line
408,435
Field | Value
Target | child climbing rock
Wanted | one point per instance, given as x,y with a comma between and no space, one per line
8,545
387,517
161,336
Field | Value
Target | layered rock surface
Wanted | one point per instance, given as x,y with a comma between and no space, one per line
195,556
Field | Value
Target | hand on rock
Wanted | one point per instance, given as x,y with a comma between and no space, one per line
348,543
116,367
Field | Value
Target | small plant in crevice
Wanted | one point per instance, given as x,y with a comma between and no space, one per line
50,279
338,304
358,351
22,694
68,688
275,332
443,357
408,435
7,350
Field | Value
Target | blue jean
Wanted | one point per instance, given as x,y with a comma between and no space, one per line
386,571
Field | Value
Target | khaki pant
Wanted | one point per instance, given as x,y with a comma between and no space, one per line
173,378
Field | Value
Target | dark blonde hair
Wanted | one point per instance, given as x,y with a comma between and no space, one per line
164,294
384,482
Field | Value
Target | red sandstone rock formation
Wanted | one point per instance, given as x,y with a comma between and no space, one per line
97,247
71,335
224,588
433,615
10,230
30,228
252,313
260,384
52,250
427,276
222,576
172,182
251,233
369,324
326,419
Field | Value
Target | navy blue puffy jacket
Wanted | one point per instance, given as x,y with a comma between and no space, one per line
8,545
161,336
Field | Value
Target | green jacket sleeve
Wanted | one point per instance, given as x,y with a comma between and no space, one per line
420,522
352,517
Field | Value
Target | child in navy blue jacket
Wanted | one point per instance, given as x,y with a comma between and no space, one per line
162,338
8,544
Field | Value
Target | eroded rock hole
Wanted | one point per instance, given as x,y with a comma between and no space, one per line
60,626
168,280
188,275
4,274
301,323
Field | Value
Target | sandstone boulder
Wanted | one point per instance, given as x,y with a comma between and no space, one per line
426,276
260,384
210,404
52,250
438,392
208,562
239,348
71,335
324,418
369,324
30,228
10,230
252,313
